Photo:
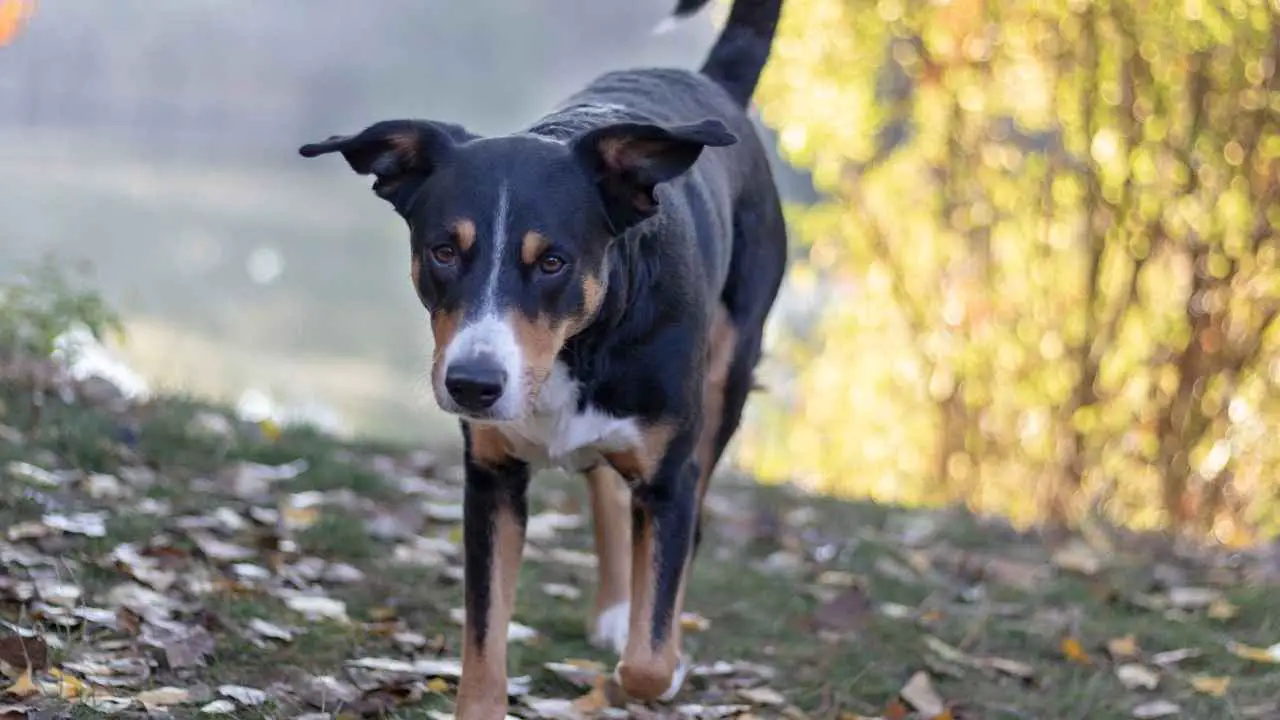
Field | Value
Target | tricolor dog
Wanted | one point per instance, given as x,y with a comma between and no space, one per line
597,285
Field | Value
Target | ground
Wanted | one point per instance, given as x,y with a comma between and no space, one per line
168,558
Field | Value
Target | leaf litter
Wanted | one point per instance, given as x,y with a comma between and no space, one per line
148,632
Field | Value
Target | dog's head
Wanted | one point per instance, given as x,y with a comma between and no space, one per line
508,238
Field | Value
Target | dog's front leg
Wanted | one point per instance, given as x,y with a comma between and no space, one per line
494,515
664,510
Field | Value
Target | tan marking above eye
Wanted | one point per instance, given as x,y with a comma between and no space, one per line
532,246
464,231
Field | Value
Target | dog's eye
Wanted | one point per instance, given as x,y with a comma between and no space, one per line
444,254
551,264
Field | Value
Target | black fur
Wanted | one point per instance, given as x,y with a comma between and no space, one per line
651,181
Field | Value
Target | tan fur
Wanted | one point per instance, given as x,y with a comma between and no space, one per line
488,446
611,517
482,690
532,245
639,464
464,231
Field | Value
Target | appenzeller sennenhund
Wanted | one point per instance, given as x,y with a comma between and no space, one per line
597,285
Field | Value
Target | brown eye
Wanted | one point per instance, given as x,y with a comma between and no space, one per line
444,254
551,264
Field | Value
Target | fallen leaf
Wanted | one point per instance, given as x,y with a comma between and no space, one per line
1256,654
65,686
554,708
15,712
1074,652
184,646
762,696
18,651
919,694
438,685
596,699
1213,685
1193,598
270,631
712,712
1123,648
845,612
247,696
1173,657
1077,556
163,697
693,622
1156,709
24,687
560,590
1136,676
219,550
1221,609
87,524
578,672
317,607
219,707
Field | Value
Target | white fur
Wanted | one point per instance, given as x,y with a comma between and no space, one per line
613,627
489,335
555,433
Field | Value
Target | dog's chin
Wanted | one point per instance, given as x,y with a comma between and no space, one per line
497,415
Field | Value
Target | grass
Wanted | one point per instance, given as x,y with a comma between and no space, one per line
949,586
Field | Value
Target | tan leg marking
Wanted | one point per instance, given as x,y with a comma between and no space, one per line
488,446
645,671
482,692
611,516
720,346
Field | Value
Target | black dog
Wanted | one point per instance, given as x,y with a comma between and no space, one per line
598,285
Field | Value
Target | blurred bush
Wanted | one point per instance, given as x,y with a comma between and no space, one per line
1049,242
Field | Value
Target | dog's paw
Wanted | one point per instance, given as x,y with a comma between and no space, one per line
641,685
611,628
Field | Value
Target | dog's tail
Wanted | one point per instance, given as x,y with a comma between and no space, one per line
739,55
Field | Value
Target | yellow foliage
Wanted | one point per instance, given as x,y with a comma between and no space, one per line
1047,259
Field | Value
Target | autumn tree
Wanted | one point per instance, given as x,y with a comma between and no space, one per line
1049,252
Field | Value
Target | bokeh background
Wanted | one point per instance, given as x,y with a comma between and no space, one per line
1036,247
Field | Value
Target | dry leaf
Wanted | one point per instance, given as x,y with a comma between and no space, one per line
919,694
1136,676
845,612
693,622
578,672
554,709
163,697
219,707
1123,648
247,696
1173,657
438,685
18,651
1213,685
24,687
1221,609
1077,556
762,696
316,607
1156,709
1193,598
1074,652
1256,654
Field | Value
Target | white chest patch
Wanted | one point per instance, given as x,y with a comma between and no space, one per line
557,434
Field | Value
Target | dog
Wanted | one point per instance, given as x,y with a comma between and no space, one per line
597,285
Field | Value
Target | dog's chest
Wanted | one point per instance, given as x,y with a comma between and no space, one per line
558,433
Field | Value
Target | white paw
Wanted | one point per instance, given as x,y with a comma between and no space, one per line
611,628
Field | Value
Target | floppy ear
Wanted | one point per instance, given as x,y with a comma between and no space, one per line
395,152
628,160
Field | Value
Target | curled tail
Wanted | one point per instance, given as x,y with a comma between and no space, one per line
739,55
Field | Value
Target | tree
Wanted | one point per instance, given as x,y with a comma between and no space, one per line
1051,230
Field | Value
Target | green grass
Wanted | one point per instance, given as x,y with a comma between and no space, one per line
756,615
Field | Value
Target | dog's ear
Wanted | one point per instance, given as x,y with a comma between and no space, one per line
395,152
628,160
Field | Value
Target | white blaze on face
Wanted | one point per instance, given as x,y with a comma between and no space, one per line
489,333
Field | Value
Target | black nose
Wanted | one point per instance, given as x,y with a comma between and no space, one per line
475,384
